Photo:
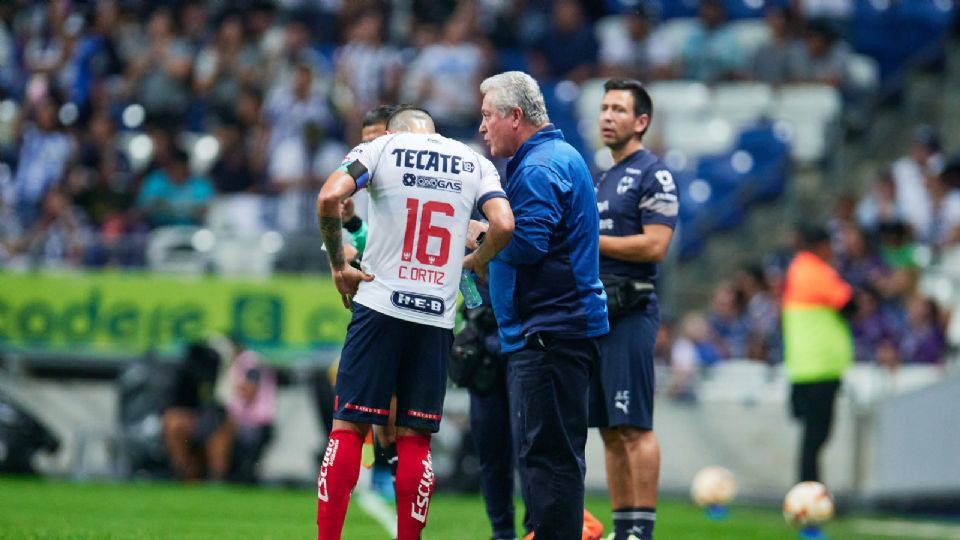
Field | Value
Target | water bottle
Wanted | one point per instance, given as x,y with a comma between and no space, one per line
468,287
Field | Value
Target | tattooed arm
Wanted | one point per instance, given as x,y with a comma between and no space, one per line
338,187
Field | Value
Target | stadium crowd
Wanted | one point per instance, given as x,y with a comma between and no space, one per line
881,240
120,117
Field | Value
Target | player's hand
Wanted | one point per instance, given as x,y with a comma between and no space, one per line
347,210
473,231
473,263
347,280
349,253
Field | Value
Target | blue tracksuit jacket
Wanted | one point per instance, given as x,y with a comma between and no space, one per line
547,279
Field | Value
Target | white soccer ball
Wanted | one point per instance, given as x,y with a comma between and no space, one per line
713,486
806,504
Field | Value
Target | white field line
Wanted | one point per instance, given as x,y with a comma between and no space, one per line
907,529
375,507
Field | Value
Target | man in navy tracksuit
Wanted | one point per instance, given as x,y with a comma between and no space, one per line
638,205
548,300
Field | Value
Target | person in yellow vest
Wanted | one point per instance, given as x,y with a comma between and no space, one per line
818,346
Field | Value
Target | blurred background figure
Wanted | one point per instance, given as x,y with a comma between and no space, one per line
195,428
818,348
251,409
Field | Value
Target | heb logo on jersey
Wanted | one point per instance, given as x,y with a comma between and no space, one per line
422,303
429,182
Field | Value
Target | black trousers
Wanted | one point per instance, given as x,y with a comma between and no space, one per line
549,382
813,404
489,419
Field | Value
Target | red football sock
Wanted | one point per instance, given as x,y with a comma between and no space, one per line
414,485
338,476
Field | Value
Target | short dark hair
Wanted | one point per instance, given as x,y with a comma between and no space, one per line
378,115
814,235
642,104
406,108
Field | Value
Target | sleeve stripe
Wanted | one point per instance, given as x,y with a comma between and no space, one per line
486,197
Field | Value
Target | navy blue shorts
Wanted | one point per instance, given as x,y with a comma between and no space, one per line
621,391
383,356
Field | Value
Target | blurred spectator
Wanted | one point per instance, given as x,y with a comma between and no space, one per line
171,195
843,215
858,263
826,9
261,28
772,61
225,66
569,49
712,52
872,328
445,76
923,159
692,350
297,120
57,237
951,170
236,169
98,148
45,150
296,51
635,50
434,12
51,43
10,77
109,207
897,245
762,313
367,71
98,65
195,428
822,59
159,73
923,341
192,21
880,204
251,409
9,234
728,323
944,221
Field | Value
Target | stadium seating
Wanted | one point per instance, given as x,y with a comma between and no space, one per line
697,135
173,249
863,73
588,110
894,32
741,103
751,35
676,32
809,110
769,161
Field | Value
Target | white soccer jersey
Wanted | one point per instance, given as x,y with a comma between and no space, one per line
423,189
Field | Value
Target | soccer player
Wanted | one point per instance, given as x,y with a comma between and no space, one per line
638,205
423,188
547,298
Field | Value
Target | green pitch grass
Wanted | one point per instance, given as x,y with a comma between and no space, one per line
42,510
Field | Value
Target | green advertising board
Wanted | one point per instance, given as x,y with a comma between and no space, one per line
119,315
